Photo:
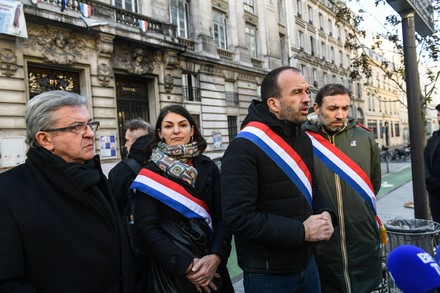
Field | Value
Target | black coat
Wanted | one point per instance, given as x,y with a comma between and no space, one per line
149,212
263,208
432,173
54,238
121,176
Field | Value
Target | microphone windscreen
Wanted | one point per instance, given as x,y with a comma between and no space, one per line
413,269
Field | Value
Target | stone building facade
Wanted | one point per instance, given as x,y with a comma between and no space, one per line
131,58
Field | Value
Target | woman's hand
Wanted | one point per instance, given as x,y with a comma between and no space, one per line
202,272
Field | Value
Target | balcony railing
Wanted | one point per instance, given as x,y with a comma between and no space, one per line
191,93
115,14
231,98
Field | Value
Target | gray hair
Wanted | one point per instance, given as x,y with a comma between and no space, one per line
138,123
39,111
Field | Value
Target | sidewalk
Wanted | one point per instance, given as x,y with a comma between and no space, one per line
395,191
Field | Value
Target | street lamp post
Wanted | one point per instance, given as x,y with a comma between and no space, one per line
416,15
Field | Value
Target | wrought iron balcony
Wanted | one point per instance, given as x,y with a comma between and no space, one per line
191,93
100,13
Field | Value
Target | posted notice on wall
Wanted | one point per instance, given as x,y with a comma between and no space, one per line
108,146
12,21
12,151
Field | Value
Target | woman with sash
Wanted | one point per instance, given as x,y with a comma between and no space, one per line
177,210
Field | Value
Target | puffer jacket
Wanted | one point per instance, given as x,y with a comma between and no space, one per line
350,261
263,208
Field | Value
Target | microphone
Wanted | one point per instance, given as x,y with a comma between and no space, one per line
437,255
413,269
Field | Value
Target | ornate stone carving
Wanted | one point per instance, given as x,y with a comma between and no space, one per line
170,58
104,44
134,60
58,47
104,74
168,82
8,62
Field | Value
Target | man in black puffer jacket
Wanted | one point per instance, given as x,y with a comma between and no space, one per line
275,220
432,171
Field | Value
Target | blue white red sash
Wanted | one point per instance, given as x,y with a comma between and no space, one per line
172,194
282,154
344,167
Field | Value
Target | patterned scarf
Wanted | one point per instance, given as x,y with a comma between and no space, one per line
173,160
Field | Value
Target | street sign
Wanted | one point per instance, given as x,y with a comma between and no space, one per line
424,14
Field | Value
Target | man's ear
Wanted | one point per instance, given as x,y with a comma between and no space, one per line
45,140
274,105
316,108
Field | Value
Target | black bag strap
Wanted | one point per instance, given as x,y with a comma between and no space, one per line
134,166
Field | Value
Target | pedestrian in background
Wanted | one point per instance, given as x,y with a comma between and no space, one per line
432,171
138,133
177,210
347,164
271,200
60,229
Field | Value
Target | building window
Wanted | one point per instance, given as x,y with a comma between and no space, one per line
321,21
324,78
251,40
304,72
315,77
372,124
281,11
299,8
312,46
232,127
341,59
301,40
284,58
230,94
180,17
310,11
397,129
347,60
130,5
330,27
196,118
332,55
339,32
323,51
220,33
190,87
249,5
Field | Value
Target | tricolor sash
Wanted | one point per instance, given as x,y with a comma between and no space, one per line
172,194
344,167
282,154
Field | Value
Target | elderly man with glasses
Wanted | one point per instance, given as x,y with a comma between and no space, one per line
60,230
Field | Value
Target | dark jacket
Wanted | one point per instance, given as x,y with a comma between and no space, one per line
432,173
263,208
55,238
352,256
121,175
149,212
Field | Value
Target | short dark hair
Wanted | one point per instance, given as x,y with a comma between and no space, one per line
331,89
269,85
138,123
437,107
178,109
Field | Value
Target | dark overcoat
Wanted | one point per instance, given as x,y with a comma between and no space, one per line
54,238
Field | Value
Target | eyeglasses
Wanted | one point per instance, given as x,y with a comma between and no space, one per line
80,127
